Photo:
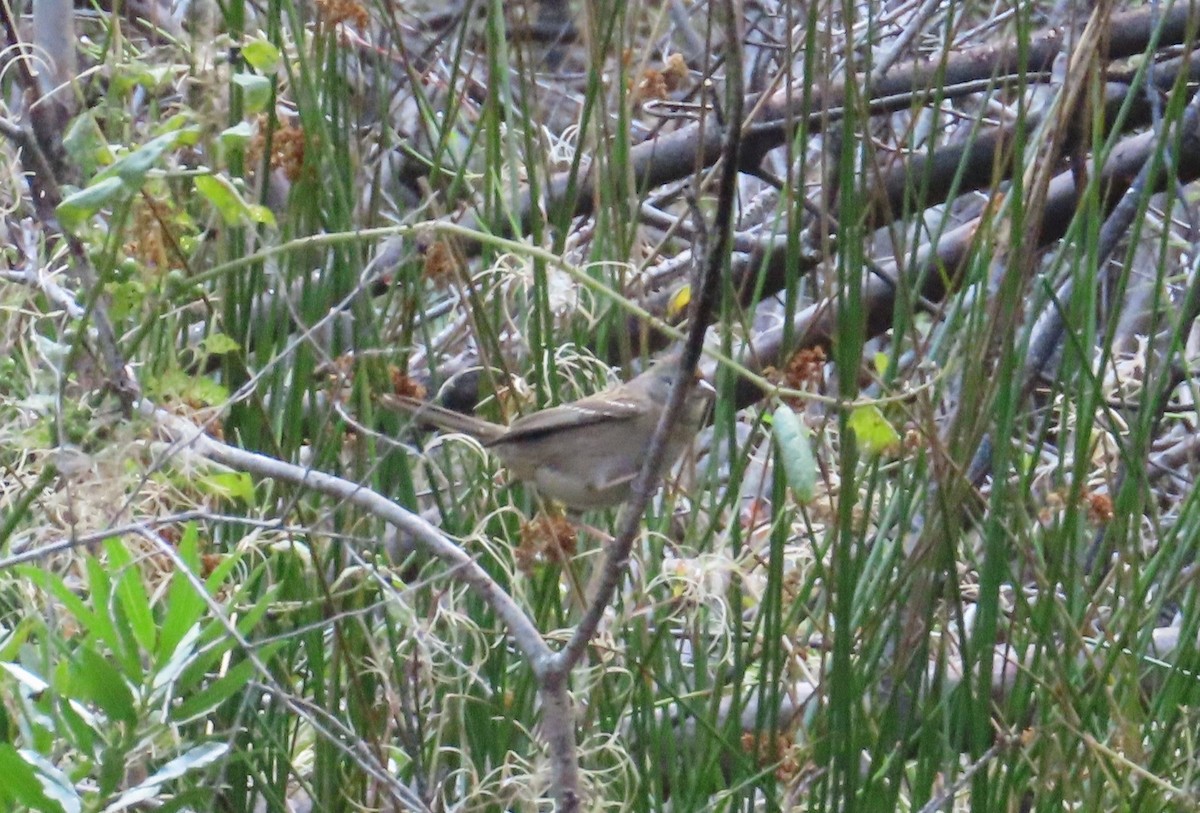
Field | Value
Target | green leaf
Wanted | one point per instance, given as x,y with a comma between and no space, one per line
216,638
168,674
8,726
85,144
103,626
881,363
220,192
181,124
131,593
96,679
16,637
237,135
125,298
795,453
132,74
56,784
77,207
132,168
54,584
218,344
221,572
223,195
260,214
875,434
261,55
206,391
21,783
231,683
125,176
184,605
176,385
199,757
79,726
256,91
231,485
111,770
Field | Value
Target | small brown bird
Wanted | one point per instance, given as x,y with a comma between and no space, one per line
586,453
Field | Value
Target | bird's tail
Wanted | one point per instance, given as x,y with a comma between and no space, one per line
445,419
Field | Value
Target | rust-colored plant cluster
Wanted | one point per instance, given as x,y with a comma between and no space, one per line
660,83
545,539
340,12
286,148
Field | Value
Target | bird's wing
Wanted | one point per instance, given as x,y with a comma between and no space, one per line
584,412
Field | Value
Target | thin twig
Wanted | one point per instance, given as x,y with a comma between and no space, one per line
555,670
186,434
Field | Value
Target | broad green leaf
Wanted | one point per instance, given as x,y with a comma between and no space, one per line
176,385
261,55
131,592
230,485
100,682
170,671
260,214
112,770
123,176
21,784
223,195
221,572
199,757
134,74
217,344
81,726
881,363
875,434
103,626
85,144
73,604
232,682
132,168
220,192
125,298
180,124
183,605
795,453
256,91
55,784
237,135
77,207
16,637
218,641
206,391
